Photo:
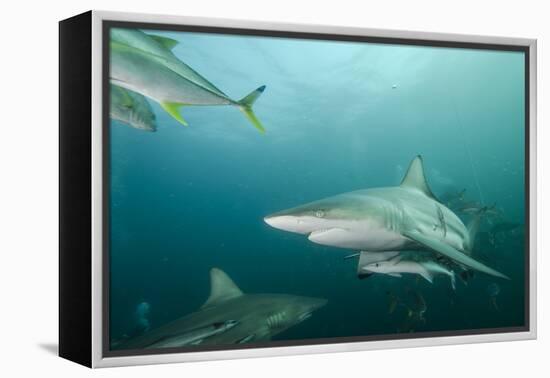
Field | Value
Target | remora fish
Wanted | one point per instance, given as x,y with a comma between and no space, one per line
145,64
405,217
193,337
396,266
259,316
132,109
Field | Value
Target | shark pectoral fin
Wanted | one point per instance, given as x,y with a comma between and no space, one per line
452,253
394,274
174,110
245,105
246,339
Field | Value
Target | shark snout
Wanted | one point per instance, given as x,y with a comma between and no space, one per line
314,304
321,302
287,223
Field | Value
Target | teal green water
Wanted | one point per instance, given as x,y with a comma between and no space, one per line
339,116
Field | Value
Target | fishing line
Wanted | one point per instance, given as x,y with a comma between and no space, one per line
468,152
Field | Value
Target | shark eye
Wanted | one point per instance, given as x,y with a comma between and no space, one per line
319,213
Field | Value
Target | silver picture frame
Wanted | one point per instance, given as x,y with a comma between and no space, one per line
99,359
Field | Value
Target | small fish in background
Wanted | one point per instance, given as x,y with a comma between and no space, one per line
475,208
453,199
393,301
505,227
142,316
145,63
466,275
415,312
368,258
142,324
394,86
493,290
396,266
132,109
193,337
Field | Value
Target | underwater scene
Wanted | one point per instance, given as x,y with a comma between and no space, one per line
269,191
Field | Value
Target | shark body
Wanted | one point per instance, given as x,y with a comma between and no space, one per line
146,64
253,317
405,217
194,336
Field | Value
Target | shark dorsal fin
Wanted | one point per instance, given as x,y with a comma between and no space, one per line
222,288
416,179
166,42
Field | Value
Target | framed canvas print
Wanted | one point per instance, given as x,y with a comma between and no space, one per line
236,189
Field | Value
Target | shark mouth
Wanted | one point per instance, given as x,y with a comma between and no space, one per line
326,234
304,316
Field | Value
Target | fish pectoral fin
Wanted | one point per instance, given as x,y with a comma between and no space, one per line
394,274
452,253
173,109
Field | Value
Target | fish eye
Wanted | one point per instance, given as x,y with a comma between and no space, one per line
319,213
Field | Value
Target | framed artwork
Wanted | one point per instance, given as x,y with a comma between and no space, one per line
232,189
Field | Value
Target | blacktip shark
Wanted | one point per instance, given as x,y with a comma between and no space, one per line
145,64
194,336
253,317
132,109
397,265
405,217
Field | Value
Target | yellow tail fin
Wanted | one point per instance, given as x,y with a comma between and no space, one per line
245,105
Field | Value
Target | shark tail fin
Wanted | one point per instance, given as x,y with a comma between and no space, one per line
245,105
473,225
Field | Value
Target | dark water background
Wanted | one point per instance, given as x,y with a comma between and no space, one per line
339,116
